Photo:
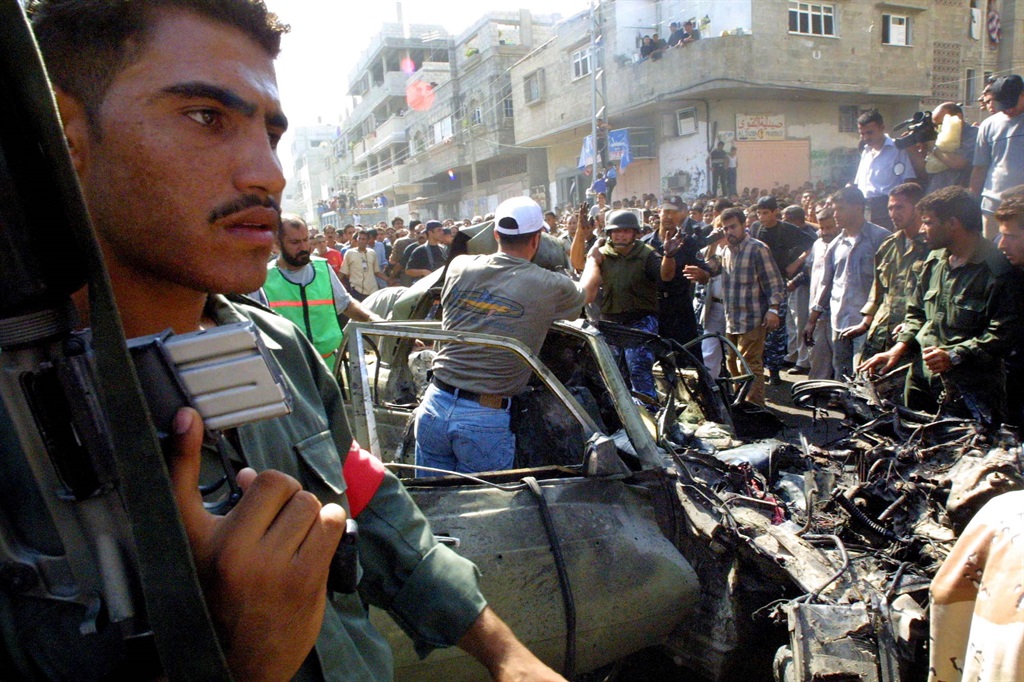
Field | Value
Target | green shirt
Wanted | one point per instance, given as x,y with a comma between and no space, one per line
430,591
974,309
898,264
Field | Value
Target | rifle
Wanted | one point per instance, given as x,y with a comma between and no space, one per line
87,451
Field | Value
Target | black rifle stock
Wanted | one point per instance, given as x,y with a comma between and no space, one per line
87,443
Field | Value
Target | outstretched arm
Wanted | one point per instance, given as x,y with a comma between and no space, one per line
578,249
490,641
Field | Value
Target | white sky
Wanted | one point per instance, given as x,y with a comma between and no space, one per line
328,36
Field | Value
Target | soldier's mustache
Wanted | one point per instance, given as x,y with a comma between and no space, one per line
240,204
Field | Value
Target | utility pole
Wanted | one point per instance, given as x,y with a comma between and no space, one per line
597,84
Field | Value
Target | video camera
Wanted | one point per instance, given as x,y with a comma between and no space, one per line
918,129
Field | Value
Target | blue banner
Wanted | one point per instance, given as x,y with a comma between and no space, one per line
618,147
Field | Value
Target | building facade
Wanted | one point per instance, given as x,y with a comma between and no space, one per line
782,81
432,135
312,180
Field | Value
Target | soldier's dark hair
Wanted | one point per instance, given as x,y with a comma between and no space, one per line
911,191
849,195
870,116
953,202
86,43
1011,210
515,240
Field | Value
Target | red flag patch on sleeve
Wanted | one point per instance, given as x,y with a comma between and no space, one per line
363,474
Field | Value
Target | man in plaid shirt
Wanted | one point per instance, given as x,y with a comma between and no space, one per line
753,291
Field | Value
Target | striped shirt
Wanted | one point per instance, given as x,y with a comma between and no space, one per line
751,282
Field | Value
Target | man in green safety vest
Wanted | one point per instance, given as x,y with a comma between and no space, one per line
306,291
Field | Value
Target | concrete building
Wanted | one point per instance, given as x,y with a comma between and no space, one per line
432,135
311,180
783,81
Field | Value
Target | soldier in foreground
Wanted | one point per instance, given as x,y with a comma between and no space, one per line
172,117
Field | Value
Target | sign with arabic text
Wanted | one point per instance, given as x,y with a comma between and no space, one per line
760,127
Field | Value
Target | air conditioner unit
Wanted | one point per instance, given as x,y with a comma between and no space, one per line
686,121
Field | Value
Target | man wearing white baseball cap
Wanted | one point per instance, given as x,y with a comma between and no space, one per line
462,424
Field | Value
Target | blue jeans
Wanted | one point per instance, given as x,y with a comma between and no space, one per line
640,360
461,435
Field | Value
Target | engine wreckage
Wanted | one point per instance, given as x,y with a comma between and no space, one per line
620,531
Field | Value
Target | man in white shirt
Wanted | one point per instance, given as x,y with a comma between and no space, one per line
882,167
818,334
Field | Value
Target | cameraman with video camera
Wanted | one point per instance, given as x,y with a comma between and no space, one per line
947,158
882,166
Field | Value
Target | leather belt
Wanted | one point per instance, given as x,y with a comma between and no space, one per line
495,402
715,299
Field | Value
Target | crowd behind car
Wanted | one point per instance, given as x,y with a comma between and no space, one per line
820,280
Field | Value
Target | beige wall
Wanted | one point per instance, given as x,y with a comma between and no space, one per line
813,123
639,178
772,164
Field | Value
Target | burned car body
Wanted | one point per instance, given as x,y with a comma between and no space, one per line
616,535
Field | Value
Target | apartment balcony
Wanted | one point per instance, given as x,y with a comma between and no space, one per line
436,159
362,149
392,131
392,38
393,86
760,65
383,182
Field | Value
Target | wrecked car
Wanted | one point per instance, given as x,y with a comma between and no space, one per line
619,531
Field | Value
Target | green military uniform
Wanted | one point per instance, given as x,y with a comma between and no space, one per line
898,264
430,591
974,310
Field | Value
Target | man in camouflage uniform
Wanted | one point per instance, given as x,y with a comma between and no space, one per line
898,263
964,314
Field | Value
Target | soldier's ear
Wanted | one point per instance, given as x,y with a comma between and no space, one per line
75,120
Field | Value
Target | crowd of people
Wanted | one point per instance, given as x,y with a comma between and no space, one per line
817,280
203,131
653,46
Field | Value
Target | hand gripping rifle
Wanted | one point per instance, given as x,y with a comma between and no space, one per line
89,456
